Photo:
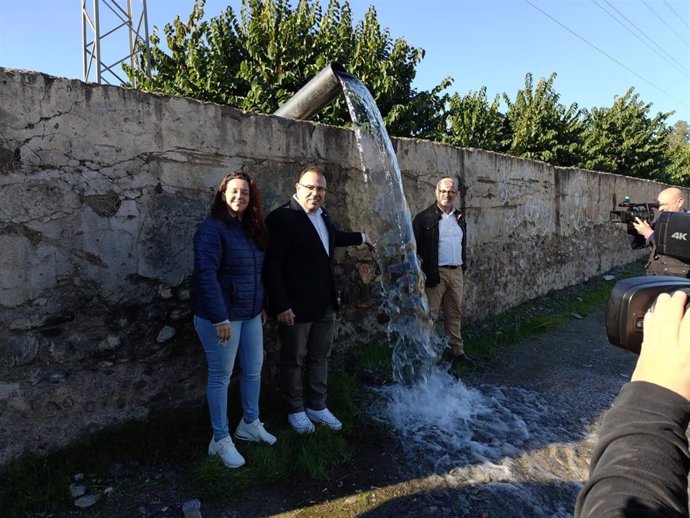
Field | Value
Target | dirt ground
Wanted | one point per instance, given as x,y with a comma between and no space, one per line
573,369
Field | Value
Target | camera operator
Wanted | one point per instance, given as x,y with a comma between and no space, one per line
640,465
641,234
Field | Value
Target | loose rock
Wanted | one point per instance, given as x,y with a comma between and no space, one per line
165,334
87,501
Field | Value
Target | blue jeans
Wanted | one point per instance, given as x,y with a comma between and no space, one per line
247,341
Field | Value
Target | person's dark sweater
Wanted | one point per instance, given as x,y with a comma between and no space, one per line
640,466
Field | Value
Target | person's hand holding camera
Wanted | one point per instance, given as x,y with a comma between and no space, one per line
665,354
643,227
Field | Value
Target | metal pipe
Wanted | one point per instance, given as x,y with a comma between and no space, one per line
315,95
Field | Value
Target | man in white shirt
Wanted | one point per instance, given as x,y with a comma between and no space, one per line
440,232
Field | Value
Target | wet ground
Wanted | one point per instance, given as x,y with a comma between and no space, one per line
512,439
518,448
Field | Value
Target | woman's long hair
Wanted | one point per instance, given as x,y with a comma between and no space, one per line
252,218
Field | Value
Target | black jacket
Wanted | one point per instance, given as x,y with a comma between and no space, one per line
425,227
658,264
298,273
640,465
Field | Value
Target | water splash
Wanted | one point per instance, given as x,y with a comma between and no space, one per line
446,424
410,328
517,446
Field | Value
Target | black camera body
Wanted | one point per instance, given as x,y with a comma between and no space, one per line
631,298
628,303
631,210
672,235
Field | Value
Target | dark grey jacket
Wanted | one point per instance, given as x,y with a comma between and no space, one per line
425,227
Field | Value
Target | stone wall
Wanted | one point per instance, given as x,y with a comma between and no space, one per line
102,187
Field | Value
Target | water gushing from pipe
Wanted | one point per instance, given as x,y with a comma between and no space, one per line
410,328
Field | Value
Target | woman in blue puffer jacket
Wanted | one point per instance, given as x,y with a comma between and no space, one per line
229,251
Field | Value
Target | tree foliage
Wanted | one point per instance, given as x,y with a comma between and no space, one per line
473,122
258,61
623,139
540,127
679,150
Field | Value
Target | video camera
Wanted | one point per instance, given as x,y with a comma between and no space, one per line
631,298
628,303
632,211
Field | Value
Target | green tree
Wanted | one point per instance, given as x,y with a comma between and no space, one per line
473,122
678,171
540,127
258,61
623,139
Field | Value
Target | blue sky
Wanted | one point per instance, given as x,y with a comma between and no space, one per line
491,43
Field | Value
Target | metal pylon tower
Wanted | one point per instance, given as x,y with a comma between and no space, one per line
110,19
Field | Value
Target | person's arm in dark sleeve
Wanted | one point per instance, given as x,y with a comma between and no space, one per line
416,222
635,240
208,254
640,234
348,238
640,465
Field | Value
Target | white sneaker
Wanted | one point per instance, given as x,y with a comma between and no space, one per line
324,417
300,423
254,432
227,452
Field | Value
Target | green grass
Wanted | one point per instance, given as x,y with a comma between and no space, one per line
483,338
371,362
293,457
39,484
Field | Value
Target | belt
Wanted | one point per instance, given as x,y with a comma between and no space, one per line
450,266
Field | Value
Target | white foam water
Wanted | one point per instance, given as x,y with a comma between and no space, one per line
448,424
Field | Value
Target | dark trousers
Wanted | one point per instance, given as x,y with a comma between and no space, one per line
304,351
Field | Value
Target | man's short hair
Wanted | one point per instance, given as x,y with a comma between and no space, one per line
311,169
456,184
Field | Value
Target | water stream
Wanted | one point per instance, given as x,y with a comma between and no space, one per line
435,412
410,329
517,447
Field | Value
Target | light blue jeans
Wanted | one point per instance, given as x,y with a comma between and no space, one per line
247,341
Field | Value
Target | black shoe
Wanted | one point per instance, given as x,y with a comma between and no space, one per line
464,360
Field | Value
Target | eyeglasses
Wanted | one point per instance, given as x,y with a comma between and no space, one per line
312,188
442,191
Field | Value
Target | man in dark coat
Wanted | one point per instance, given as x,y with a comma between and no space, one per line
642,234
300,282
440,232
